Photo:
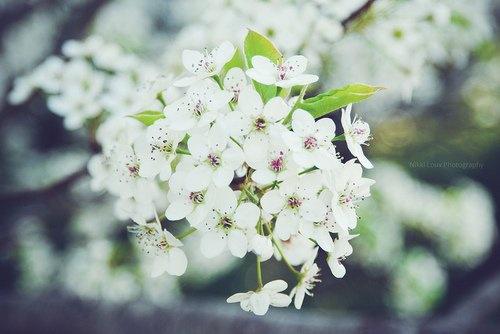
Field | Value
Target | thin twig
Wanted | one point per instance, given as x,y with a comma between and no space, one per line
30,195
357,13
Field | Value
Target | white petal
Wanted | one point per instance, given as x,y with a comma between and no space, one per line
295,65
272,201
286,225
300,80
303,123
247,215
199,178
233,157
338,270
280,300
235,78
238,297
212,244
223,53
299,298
225,200
326,128
250,102
264,65
179,209
276,109
262,246
191,60
324,240
263,176
260,302
263,78
237,243
276,286
198,146
177,262
223,176
313,210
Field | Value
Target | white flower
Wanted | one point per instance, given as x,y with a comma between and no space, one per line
309,277
320,230
125,180
258,302
204,65
356,133
226,225
163,246
295,200
157,149
235,82
348,187
287,74
310,141
297,249
341,249
186,203
271,160
201,105
262,246
253,117
214,158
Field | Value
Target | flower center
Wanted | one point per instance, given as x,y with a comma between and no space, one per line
310,143
294,202
214,160
360,131
226,222
165,147
282,71
199,108
260,124
277,164
196,197
133,169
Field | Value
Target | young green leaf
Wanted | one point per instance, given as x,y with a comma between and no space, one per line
259,45
238,60
334,99
148,117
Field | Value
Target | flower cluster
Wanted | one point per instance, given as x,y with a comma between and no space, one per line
248,168
92,78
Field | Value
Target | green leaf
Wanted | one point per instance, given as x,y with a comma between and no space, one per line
238,60
259,45
334,99
148,117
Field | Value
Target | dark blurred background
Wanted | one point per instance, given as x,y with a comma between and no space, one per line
427,258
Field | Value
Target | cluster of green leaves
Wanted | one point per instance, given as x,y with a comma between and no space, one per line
320,105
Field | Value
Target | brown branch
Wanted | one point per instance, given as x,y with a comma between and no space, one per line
357,13
44,193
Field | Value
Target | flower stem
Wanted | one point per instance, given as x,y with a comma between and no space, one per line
288,117
251,196
235,141
275,183
259,273
277,243
339,138
182,151
185,233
